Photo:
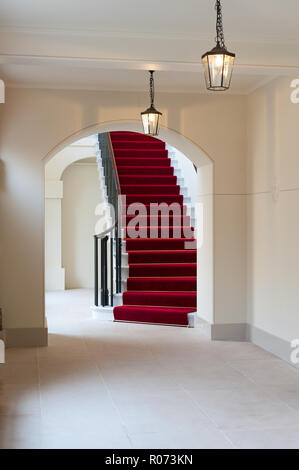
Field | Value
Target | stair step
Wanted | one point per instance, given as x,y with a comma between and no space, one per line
150,189
163,256
147,180
151,198
144,170
135,136
140,153
183,220
138,144
156,243
146,161
162,269
160,284
162,299
159,231
160,315
152,209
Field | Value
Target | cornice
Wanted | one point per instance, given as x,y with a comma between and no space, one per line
176,35
142,64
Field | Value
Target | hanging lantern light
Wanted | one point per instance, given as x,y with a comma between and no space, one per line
218,63
151,117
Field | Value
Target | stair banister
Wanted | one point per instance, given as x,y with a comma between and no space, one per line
113,233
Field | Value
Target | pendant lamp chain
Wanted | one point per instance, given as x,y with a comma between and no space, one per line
152,87
219,25
151,117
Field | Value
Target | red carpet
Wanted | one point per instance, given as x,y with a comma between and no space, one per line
161,287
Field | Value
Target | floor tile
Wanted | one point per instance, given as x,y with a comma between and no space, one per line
267,372
19,400
21,355
20,432
273,438
19,373
118,385
204,438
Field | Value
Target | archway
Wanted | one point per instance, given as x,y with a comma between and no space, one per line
204,164
82,151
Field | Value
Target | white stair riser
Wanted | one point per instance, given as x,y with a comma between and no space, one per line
178,172
117,300
102,313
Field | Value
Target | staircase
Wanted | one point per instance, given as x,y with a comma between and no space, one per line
161,283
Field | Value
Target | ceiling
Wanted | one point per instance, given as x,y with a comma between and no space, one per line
83,43
246,19
107,79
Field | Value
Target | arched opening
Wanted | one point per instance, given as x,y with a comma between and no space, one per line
204,201
72,190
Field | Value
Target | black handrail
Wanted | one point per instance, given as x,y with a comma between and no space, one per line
113,233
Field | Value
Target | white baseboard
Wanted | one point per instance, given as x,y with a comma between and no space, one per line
223,331
229,332
271,343
204,325
244,332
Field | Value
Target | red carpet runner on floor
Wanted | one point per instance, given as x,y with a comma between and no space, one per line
161,287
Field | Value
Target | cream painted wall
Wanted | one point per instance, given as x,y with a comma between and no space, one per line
54,272
273,220
82,193
34,122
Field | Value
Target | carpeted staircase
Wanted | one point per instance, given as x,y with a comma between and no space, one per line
161,286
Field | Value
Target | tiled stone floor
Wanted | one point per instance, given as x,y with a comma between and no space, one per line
117,385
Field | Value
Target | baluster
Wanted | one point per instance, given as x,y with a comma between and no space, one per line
104,289
96,271
119,267
113,189
102,273
111,270
116,261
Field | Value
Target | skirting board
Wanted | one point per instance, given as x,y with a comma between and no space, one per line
25,337
224,332
244,332
229,332
273,344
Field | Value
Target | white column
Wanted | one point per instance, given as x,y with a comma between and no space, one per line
54,273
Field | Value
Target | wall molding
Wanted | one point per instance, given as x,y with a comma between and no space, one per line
245,332
223,331
271,343
273,70
25,337
268,39
229,332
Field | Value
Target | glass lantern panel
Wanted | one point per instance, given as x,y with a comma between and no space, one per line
151,123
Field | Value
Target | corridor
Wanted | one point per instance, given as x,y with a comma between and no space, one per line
121,385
